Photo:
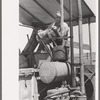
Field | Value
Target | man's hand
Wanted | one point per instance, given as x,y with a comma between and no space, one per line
54,28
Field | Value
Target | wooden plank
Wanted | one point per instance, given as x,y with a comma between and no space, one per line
27,71
31,45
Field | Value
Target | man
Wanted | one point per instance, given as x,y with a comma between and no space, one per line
56,27
55,30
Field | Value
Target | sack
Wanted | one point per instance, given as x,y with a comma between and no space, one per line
60,53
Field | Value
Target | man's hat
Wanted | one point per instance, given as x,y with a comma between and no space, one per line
58,14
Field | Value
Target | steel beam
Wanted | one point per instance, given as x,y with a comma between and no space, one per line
72,47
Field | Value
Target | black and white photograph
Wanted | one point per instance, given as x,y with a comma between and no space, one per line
57,50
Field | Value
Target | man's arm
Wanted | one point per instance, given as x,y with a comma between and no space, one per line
65,29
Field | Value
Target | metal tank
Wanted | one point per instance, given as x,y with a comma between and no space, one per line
54,71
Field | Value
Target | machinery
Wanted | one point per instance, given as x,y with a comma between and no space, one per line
49,73
50,76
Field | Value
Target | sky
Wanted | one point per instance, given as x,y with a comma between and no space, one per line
92,4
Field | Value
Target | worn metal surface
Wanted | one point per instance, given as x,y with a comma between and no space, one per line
43,12
54,71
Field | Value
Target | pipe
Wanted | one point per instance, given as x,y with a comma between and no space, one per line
81,47
90,45
77,92
62,15
72,49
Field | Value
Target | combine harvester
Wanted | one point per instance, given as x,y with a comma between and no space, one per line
52,75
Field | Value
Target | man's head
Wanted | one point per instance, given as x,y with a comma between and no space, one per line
58,16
